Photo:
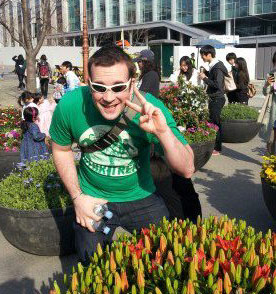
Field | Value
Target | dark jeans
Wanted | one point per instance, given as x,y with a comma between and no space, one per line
130,215
242,97
44,87
21,83
215,107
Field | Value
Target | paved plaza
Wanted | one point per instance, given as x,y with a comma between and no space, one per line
227,184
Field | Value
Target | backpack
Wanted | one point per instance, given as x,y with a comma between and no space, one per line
44,70
251,92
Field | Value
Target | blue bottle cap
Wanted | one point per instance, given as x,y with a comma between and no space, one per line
106,230
108,214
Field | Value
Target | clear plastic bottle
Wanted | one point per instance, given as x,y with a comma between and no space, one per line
102,211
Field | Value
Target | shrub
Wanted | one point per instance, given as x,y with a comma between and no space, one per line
213,256
268,172
34,186
238,111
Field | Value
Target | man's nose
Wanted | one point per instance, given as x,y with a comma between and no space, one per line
109,96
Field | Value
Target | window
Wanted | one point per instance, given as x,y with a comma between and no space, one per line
89,13
74,15
236,8
208,10
184,11
130,11
146,10
164,9
264,6
114,13
100,11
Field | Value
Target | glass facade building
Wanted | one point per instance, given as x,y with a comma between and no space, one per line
184,11
146,10
164,8
208,10
74,15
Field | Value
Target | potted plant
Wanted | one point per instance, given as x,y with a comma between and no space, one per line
36,212
268,177
188,105
213,256
239,123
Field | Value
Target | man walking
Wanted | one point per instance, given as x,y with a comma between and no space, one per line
117,169
214,79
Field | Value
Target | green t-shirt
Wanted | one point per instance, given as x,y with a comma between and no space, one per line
121,172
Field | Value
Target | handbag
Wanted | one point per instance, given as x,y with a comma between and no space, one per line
229,83
251,92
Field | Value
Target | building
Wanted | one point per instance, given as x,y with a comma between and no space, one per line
146,21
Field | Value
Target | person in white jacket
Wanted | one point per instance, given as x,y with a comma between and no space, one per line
189,74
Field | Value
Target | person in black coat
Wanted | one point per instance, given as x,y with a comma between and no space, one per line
150,77
20,67
214,79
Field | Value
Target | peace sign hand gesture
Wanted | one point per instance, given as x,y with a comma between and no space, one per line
152,120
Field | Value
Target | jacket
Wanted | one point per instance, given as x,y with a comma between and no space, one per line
20,65
215,80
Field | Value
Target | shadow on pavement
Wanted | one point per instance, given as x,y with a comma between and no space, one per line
237,196
23,286
235,155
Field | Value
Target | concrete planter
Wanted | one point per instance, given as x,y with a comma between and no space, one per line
269,195
6,162
46,232
239,131
202,152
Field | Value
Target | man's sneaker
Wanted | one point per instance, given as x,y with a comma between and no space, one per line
215,152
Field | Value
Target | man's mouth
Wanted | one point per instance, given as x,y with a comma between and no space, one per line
109,108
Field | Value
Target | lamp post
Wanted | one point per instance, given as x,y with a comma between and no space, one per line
85,45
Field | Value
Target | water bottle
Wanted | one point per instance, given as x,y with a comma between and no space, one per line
102,211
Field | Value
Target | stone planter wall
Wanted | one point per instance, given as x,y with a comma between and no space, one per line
202,152
269,195
239,131
47,232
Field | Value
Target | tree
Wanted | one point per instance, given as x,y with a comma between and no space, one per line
31,47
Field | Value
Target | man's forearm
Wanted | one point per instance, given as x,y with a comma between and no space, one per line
65,165
179,157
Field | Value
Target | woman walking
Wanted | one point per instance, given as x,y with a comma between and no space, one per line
45,74
242,81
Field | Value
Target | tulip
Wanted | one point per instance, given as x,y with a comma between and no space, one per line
259,285
140,279
163,244
192,271
189,236
118,281
112,262
99,250
220,285
134,261
75,282
216,267
147,243
170,258
124,281
178,266
157,290
118,256
133,290
227,283
57,289
213,249
190,287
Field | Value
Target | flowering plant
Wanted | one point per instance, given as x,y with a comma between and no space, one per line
34,186
216,256
186,102
10,133
268,172
204,132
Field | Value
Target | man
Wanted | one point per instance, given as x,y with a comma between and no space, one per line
119,174
231,59
215,89
193,60
72,80
44,73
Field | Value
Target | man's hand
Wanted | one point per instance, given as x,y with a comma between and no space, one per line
152,120
270,80
84,208
202,75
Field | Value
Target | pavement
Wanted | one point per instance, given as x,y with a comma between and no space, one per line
227,184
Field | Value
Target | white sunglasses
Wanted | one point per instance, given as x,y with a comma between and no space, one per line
117,88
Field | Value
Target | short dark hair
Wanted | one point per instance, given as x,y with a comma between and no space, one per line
230,56
37,96
274,58
208,49
110,55
67,64
43,57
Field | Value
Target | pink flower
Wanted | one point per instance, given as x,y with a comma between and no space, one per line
14,149
7,149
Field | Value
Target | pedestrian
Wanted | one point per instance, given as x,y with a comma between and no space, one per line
114,126
44,73
214,79
193,61
60,89
72,80
241,81
20,67
26,99
33,142
231,59
270,88
149,79
46,109
186,71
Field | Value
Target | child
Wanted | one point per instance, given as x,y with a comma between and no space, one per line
33,142
46,108
26,100
60,89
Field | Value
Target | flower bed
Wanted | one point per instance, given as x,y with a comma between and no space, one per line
268,172
215,256
10,133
